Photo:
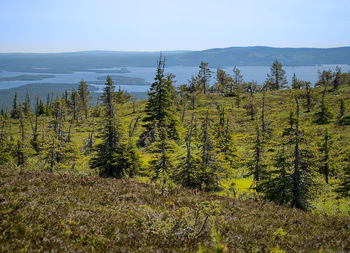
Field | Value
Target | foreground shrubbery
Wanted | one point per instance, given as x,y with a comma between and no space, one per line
44,211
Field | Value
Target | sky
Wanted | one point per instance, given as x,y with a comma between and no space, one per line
160,25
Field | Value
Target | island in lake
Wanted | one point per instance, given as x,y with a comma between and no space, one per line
111,71
26,78
123,80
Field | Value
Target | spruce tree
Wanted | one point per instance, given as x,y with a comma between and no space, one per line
343,189
188,174
223,83
48,105
325,161
114,156
324,115
159,108
6,146
75,104
324,78
204,76
295,82
35,140
341,108
277,184
84,97
210,167
26,107
257,165
15,107
302,176
163,162
308,96
121,96
337,81
111,137
251,107
291,180
193,90
276,79
237,80
224,140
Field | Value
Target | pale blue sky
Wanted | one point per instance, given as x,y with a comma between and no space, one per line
154,25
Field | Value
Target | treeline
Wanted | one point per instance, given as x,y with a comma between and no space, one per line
181,140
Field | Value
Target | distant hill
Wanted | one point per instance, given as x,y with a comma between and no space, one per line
264,56
240,56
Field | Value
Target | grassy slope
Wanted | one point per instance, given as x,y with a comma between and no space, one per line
278,106
45,211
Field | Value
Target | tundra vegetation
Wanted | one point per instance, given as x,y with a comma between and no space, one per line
254,167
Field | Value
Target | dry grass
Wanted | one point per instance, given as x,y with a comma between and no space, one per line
48,212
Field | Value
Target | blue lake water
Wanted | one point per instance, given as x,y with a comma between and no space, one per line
182,73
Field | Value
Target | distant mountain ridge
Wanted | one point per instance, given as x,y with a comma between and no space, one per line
239,56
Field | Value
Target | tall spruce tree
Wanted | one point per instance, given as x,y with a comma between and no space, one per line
75,107
159,108
105,158
114,156
277,184
302,176
188,174
291,180
210,167
257,165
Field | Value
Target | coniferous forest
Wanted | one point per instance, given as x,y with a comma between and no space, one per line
233,166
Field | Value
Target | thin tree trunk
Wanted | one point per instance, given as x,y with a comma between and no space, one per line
296,175
263,115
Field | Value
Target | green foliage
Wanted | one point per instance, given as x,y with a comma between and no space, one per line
277,184
159,108
204,76
224,83
114,157
121,96
15,107
84,97
324,115
276,79
344,187
7,151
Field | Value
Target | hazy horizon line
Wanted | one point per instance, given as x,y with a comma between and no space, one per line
157,51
